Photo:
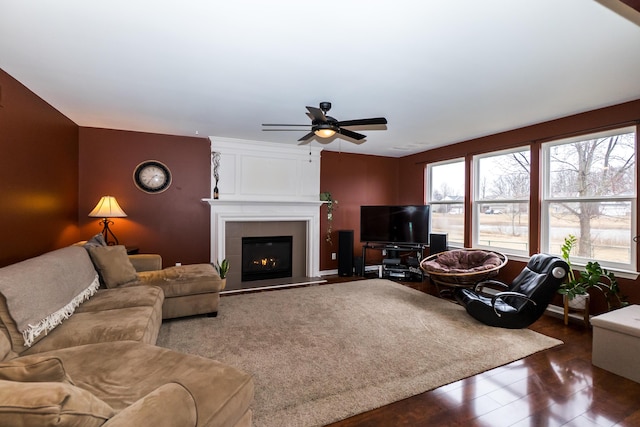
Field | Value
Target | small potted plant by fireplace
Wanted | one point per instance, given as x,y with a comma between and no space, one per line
222,267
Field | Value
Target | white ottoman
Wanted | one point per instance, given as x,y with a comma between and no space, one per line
616,341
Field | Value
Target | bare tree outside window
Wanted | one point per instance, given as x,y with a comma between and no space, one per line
445,194
591,193
513,183
502,201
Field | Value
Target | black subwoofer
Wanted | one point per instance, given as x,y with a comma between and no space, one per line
358,265
345,252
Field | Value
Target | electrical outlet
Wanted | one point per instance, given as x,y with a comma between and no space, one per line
334,256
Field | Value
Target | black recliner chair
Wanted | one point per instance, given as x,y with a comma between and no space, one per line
524,301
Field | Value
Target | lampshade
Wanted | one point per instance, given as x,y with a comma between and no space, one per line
107,207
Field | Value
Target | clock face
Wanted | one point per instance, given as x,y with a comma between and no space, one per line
152,176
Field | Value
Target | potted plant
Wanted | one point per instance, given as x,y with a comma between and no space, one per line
575,289
222,267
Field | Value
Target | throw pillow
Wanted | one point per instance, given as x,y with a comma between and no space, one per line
50,404
34,369
113,265
97,240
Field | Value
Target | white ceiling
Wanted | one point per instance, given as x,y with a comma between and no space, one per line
439,71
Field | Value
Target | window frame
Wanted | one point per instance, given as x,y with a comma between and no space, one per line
477,201
547,199
429,192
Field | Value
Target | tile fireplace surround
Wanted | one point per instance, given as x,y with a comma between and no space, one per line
264,183
226,213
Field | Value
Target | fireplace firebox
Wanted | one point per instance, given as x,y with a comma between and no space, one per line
266,257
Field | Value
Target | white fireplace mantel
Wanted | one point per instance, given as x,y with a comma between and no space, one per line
260,181
225,211
262,202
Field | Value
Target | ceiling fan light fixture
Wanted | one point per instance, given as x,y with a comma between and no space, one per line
324,130
325,133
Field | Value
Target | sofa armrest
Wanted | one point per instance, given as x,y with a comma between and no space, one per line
170,405
146,262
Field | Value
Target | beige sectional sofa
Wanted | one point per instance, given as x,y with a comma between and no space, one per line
75,353
188,289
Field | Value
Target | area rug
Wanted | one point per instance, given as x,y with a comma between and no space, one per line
323,353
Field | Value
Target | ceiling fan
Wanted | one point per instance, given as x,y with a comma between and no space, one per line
325,126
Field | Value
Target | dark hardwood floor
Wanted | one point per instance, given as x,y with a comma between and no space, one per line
556,387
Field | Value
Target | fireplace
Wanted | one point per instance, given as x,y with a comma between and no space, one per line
266,257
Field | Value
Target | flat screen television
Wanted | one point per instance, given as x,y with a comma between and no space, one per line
395,224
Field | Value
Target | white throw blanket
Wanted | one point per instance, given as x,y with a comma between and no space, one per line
43,291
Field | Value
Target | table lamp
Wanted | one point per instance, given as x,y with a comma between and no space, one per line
106,208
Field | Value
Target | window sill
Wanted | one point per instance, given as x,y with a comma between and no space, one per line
619,273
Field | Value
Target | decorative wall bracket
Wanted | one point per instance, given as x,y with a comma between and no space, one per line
215,169
331,205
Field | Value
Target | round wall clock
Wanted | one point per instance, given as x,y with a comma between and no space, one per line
152,176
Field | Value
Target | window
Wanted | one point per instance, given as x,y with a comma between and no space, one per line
590,191
501,201
445,194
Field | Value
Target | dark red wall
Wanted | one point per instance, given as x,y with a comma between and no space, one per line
174,223
353,180
38,174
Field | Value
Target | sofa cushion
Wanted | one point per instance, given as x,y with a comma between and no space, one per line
140,324
113,265
34,369
37,294
111,315
50,404
111,299
222,393
170,405
192,279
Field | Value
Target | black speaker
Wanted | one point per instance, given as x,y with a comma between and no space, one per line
345,252
437,243
359,265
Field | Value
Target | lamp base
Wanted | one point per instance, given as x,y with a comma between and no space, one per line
106,231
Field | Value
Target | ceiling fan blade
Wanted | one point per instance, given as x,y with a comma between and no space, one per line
282,130
364,122
317,114
351,134
281,124
307,136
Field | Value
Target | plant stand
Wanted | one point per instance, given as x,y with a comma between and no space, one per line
579,304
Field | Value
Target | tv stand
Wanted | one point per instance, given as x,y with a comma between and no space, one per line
392,266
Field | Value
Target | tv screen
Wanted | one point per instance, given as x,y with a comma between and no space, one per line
395,224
